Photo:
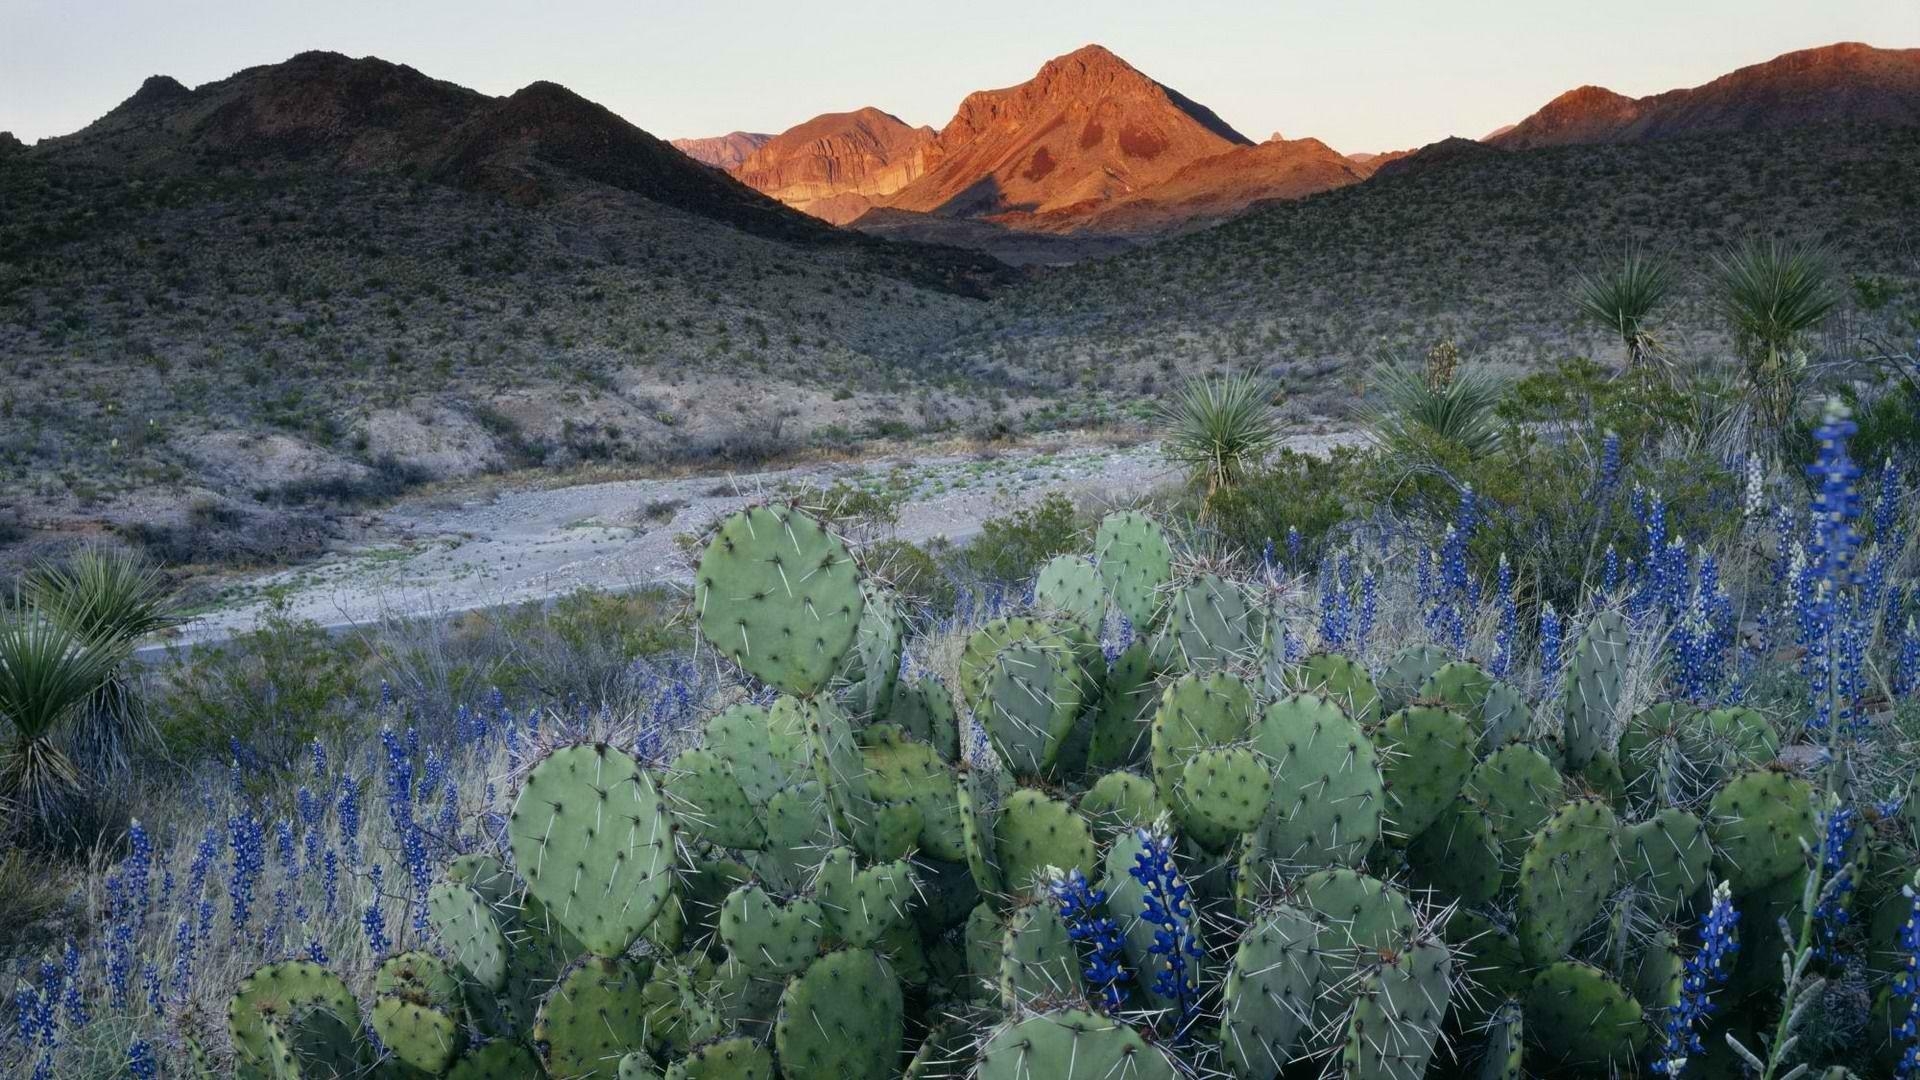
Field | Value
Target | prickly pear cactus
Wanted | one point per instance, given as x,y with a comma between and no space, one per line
1034,832
1428,755
1071,1045
1122,722
710,803
1458,854
1069,587
924,710
1520,789
501,1059
469,931
283,992
779,595
1657,751
1408,671
840,1020
422,1036
1397,1012
870,669
1759,822
1736,739
861,905
1504,717
1505,1045
1460,685
593,840
1196,712
907,776
1595,683
1271,984
1135,563
1565,877
1212,621
770,937
1024,686
1328,794
1120,801
1359,915
592,1018
1580,1018
1341,681
732,1058
1668,858
1227,787
1037,959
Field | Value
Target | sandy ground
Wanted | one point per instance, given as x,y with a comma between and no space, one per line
441,556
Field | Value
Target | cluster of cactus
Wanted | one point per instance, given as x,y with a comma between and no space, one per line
1384,874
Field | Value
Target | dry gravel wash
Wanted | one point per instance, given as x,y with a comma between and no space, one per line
440,557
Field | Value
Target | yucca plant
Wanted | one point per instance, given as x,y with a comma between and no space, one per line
1623,298
110,599
47,674
1774,294
1413,409
1220,428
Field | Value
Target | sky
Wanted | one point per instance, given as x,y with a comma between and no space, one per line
1362,75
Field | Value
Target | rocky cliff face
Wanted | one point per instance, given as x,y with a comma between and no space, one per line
1848,82
838,165
1088,128
1225,184
724,152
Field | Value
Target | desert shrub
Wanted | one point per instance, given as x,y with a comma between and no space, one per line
1220,428
273,690
1010,548
1582,392
218,535
1437,405
1773,295
911,571
853,510
1299,491
387,477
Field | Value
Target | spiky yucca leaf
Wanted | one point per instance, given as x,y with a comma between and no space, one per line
46,673
1412,411
1622,299
1220,428
1773,294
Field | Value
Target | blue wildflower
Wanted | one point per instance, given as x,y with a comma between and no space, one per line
1079,904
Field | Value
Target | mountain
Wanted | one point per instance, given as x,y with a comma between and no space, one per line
1845,83
1223,185
838,165
1086,129
723,152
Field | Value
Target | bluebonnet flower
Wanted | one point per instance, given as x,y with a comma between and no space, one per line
347,812
316,952
1169,909
1886,505
1293,545
1550,631
1836,505
1906,991
317,752
1266,557
1509,629
74,999
1706,969
371,920
1783,546
1906,667
399,779
330,880
1369,612
119,962
249,859
413,846
183,945
1830,914
151,985
140,1062
1609,462
1079,904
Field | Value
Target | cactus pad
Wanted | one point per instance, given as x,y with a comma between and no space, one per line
1034,832
283,994
1271,984
1038,961
1458,854
924,710
767,936
735,1058
1328,795
840,1020
422,1036
862,905
1069,586
1595,684
779,595
1565,877
1341,681
1759,822
1408,671
1667,857
1582,1019
1227,787
1121,800
1071,1045
1196,712
1397,1012
1122,724
871,668
1135,561
710,804
470,932
1026,692
1212,621
1520,789
1429,753
592,1018
501,1059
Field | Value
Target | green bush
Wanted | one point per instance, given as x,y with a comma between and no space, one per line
1308,493
1010,549
912,571
274,689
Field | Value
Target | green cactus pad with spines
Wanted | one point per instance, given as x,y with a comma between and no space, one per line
780,596
1270,987
1668,858
1358,915
468,929
681,1006
1460,685
424,1037
841,1019
1340,681
1397,1011
638,1066
1069,586
733,1058
978,817
743,737
592,1018
1505,1053
1211,621
1601,775
1196,712
798,834
1458,854
1657,973
1658,751
1520,789
418,976
1759,822
1491,957
1596,677
1027,693
870,669
976,656
983,935
1034,832
1428,754
1408,671
1736,739
903,772
1565,877
1135,562
1121,800
861,905
924,710
710,804
770,937
313,1043
1328,794
1582,1019
1504,717
1071,1045
1123,718
284,992
501,1059
593,840
1227,787
1038,960
745,1002
833,754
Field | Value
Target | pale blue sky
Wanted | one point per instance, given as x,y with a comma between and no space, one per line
1360,74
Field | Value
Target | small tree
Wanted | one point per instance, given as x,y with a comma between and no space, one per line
1623,298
